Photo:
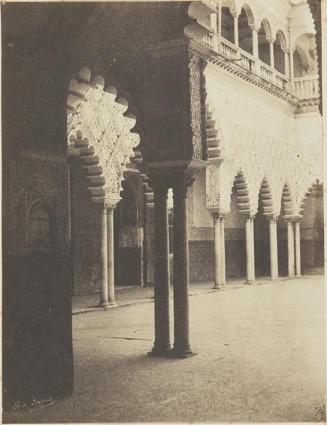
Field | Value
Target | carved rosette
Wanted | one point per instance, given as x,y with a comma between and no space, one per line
99,131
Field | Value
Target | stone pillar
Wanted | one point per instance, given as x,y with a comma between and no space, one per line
223,255
292,68
181,267
104,290
272,56
255,48
111,254
217,246
148,236
236,41
287,64
297,248
273,247
249,236
161,269
290,248
219,24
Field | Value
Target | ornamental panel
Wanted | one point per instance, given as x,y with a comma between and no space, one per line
99,132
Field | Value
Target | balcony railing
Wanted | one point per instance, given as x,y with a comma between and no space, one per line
306,87
303,88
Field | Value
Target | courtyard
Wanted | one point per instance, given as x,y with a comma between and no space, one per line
260,358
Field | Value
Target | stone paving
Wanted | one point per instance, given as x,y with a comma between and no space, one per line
260,358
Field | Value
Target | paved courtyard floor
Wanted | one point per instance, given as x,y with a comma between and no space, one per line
260,358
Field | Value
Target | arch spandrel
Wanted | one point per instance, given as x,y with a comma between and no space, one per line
99,130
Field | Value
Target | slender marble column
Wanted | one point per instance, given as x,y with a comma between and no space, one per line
161,270
223,255
255,49
111,254
104,290
273,247
292,67
181,268
290,248
287,64
236,40
217,242
249,236
219,24
272,57
252,250
297,248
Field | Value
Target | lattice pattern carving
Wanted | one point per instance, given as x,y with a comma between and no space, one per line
99,131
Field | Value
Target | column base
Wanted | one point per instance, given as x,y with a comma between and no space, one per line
217,286
291,276
107,304
248,282
182,353
274,278
160,351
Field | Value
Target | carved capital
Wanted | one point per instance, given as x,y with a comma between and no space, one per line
250,216
182,180
218,216
272,217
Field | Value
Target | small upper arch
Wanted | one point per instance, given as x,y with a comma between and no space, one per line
265,24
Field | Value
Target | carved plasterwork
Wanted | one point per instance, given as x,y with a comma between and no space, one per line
259,142
99,129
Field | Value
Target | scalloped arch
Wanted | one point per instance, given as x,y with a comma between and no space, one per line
99,131
266,197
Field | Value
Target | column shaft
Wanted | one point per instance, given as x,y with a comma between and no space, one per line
255,48
273,248
249,237
181,271
217,243
272,57
298,248
287,65
111,255
104,293
292,66
252,250
219,24
223,255
236,41
161,271
290,248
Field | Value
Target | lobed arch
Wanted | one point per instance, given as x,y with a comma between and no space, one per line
307,192
242,191
213,139
265,193
287,202
99,132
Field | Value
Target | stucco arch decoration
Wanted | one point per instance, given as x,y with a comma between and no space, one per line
253,154
99,132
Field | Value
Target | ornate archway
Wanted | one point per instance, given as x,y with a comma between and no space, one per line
99,133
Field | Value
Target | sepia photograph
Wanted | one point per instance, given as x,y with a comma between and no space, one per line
163,211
